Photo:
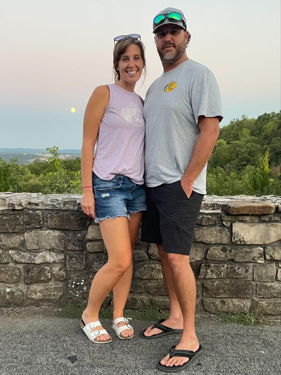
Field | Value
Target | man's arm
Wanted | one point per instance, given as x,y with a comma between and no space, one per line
209,132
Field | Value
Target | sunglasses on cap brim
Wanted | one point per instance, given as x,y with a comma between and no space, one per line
121,37
173,16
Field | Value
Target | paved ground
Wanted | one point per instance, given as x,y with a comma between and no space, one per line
40,344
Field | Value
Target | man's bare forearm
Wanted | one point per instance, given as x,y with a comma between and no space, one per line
209,132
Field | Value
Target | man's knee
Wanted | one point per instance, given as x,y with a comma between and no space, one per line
178,260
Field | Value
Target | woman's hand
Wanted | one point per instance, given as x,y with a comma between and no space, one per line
88,203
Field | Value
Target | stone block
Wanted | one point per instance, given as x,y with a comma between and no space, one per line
72,220
156,288
138,286
228,288
273,253
159,303
97,261
44,240
9,275
255,234
74,241
206,219
95,247
278,275
33,219
244,218
4,257
225,271
94,232
11,221
36,274
78,287
59,273
269,290
10,241
264,272
149,271
75,262
271,218
219,305
11,296
140,255
198,252
267,306
212,235
36,258
153,252
44,293
137,302
237,254
248,208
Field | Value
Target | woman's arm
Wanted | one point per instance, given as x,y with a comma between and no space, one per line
92,118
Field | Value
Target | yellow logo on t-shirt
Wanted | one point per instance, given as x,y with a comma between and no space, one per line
170,87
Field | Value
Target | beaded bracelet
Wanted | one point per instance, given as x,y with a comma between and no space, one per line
87,187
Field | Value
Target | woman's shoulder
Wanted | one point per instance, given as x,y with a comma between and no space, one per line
101,90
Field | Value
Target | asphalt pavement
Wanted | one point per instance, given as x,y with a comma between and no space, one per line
36,343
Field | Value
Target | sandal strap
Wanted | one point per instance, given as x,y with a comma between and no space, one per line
162,327
123,319
92,325
173,352
98,332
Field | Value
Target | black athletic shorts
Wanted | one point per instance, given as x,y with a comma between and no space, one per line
171,217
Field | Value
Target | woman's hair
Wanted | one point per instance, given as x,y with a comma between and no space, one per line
120,48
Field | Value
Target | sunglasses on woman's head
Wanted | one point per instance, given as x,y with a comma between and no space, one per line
121,37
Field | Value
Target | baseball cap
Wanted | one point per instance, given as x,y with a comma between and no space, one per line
169,16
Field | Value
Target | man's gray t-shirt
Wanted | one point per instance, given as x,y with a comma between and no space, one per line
172,107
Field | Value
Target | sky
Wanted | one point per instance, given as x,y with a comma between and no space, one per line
54,53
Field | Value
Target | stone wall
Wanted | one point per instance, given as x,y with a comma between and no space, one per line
50,251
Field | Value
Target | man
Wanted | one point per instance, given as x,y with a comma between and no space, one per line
182,112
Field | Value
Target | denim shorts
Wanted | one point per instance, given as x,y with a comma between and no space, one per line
117,197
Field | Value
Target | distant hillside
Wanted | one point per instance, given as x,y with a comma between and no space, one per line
28,155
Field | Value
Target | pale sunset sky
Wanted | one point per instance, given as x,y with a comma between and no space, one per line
54,53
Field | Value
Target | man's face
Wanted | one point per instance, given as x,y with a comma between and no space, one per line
171,43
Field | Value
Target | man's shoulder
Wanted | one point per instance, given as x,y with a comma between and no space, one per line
195,67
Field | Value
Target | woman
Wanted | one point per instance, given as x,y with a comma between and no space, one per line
114,195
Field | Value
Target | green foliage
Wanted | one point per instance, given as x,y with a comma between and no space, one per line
250,319
56,176
247,158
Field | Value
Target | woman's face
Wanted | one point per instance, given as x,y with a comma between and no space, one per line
130,65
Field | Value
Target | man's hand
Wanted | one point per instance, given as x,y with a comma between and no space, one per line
187,186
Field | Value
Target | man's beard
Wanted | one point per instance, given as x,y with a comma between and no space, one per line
171,58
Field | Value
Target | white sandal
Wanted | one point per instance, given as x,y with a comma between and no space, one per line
92,335
118,330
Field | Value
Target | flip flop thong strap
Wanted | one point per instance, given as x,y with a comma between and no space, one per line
181,353
162,327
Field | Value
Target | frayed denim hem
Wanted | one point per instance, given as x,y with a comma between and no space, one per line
98,220
135,212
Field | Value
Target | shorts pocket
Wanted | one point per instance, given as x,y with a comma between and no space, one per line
104,185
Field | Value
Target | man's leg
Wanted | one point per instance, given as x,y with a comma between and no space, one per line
185,289
175,319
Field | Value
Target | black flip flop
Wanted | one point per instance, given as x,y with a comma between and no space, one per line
180,353
165,331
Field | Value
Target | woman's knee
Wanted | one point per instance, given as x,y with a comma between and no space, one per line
120,266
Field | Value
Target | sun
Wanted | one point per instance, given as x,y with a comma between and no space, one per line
72,110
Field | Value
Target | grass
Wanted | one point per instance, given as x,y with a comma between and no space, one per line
72,311
250,319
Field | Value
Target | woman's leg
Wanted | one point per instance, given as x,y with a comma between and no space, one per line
122,288
116,237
